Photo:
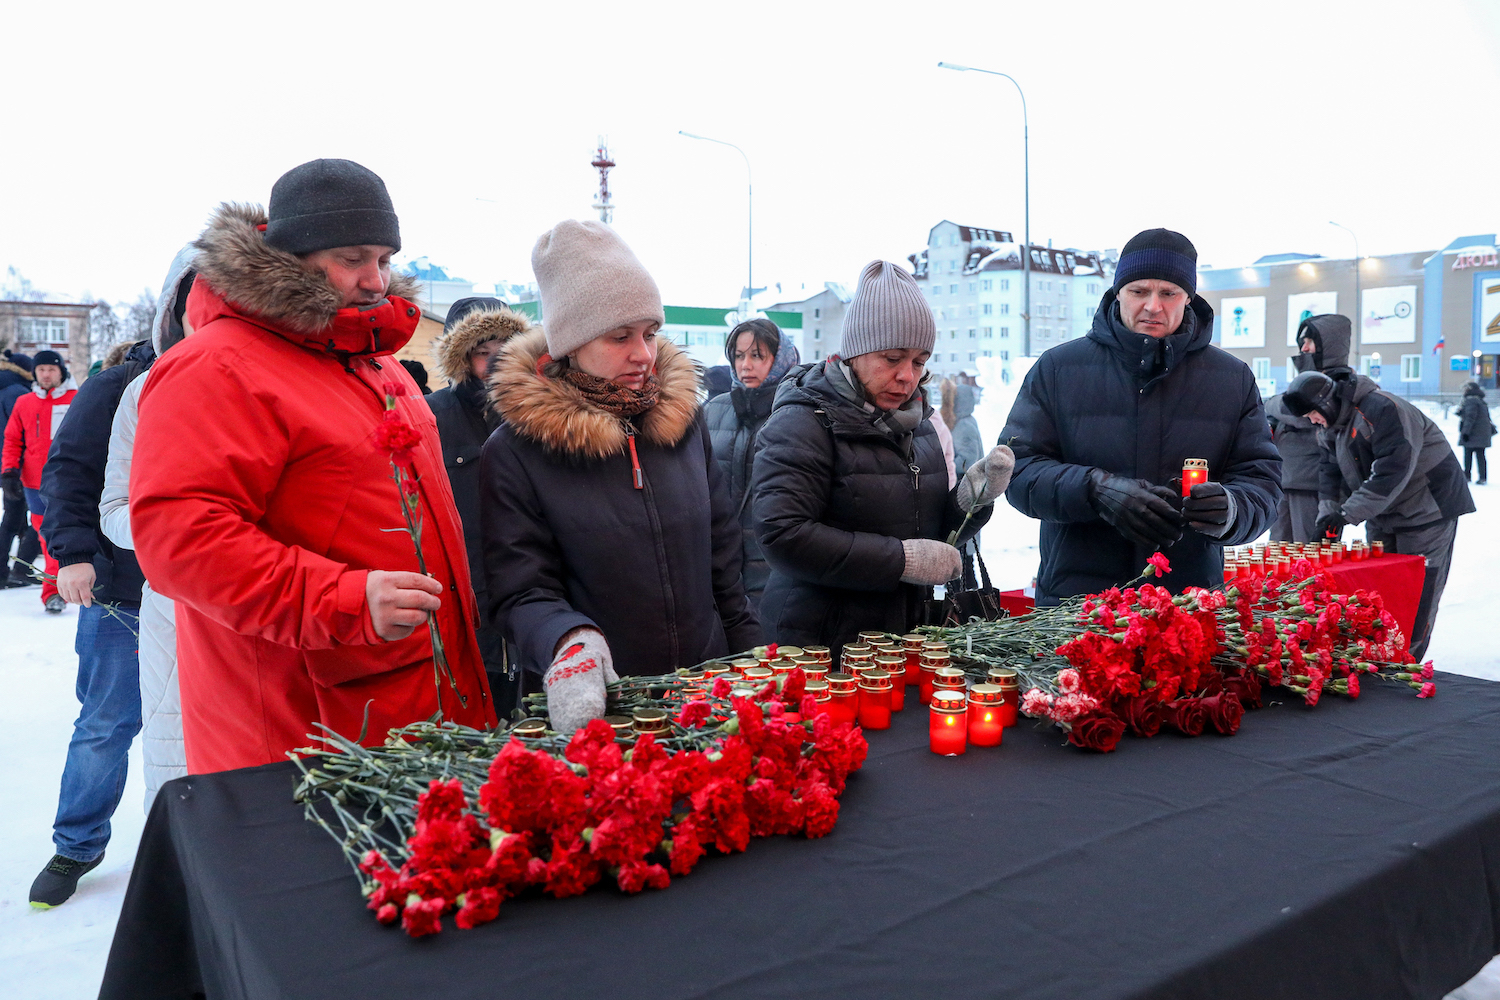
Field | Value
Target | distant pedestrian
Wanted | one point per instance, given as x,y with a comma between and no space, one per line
968,446
1475,430
759,356
34,420
473,334
853,504
15,525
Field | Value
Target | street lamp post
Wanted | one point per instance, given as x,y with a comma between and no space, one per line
750,212
1026,174
1359,322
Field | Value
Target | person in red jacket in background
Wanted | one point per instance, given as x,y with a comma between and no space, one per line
259,498
28,436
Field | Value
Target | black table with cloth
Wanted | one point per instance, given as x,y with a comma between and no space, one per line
1348,851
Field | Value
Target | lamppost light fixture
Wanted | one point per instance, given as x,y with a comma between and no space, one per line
949,65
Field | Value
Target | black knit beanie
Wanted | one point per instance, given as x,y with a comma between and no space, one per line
1159,253
463,307
331,203
49,358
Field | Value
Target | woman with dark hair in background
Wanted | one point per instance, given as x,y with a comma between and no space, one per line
759,356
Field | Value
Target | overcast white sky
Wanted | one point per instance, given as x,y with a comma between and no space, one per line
1246,126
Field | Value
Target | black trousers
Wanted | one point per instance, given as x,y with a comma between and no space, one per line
16,524
1469,455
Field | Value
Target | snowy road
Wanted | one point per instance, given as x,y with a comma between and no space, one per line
60,954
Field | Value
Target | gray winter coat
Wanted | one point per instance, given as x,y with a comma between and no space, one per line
1475,428
1296,438
968,446
1385,462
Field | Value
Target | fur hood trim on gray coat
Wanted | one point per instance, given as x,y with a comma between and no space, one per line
272,284
559,416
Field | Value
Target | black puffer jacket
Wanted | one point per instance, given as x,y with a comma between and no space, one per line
734,420
1475,428
1388,463
835,493
1296,440
465,420
1136,406
73,480
569,540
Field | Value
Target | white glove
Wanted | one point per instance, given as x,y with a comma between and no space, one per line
986,479
575,681
930,562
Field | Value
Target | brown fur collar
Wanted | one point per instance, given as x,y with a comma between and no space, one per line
558,415
272,284
450,351
11,366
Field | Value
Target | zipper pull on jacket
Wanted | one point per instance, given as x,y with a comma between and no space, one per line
635,461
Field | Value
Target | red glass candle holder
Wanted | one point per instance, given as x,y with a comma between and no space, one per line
868,634
1194,471
1010,690
875,700
895,665
911,648
1377,550
820,653
948,723
820,694
931,661
949,678
985,704
843,701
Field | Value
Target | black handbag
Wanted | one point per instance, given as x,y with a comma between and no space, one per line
961,603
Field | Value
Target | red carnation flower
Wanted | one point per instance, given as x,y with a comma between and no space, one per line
393,389
693,714
480,906
421,918
1160,564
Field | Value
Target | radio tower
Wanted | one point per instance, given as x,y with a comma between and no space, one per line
602,163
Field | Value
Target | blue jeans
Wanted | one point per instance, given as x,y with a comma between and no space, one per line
109,689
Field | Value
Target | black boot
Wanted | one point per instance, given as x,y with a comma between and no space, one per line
59,880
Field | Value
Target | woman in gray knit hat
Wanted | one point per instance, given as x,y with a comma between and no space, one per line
851,498
610,544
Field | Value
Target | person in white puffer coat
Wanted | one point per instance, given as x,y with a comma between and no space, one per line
161,714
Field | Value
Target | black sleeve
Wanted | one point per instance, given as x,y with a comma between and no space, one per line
1043,486
73,478
792,481
740,625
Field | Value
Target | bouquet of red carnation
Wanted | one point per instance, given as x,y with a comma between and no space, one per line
560,816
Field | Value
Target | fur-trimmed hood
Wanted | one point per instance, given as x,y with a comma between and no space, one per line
559,416
450,351
15,369
269,283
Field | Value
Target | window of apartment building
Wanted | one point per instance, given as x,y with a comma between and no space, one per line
1365,361
817,355
971,286
1005,331
1291,369
989,285
1004,355
1005,284
987,332
817,333
1044,310
937,289
952,334
953,357
953,266
42,330
989,308
971,355
817,314
1062,312
952,289
1005,309
971,309
971,333
1262,368
1411,367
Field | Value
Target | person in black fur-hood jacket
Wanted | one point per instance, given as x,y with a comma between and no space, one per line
473,334
1102,425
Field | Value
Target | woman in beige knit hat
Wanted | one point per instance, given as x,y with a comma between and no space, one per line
851,493
610,544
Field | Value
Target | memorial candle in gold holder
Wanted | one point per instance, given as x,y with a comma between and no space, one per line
741,665
623,725
868,634
1194,471
789,652
911,646
948,723
1010,687
820,694
985,703
1377,549
931,660
821,653
949,679
843,702
713,670
650,720
530,728
875,700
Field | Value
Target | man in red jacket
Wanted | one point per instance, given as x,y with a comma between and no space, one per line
28,436
259,499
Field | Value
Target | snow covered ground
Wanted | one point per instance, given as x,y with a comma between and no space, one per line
60,954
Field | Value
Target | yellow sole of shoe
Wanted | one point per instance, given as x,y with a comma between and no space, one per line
42,906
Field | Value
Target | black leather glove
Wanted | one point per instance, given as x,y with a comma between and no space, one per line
1141,512
1331,526
1209,509
10,484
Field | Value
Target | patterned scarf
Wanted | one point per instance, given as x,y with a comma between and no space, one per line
611,397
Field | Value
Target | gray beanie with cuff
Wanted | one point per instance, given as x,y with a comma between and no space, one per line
887,313
591,283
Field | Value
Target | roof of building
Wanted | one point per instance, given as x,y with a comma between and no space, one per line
974,234
425,270
1283,258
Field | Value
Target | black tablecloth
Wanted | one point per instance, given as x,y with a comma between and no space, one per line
1350,851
